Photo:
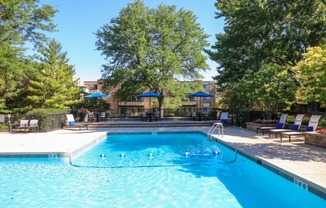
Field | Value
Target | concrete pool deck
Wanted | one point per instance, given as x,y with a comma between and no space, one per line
296,161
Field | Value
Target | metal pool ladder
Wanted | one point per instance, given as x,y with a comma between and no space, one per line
215,126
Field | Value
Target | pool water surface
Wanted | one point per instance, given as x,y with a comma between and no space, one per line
148,170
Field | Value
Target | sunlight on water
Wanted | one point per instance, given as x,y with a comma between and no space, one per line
148,170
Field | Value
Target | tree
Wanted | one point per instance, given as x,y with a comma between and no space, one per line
11,74
23,20
149,49
53,86
20,21
265,32
311,73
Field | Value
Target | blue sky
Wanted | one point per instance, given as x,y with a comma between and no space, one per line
78,20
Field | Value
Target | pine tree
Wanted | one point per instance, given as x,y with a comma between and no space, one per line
53,85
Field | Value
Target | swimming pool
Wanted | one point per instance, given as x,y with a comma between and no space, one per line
148,170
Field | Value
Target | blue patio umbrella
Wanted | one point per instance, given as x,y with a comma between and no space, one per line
97,95
200,95
149,94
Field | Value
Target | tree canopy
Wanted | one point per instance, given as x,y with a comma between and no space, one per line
24,20
262,34
311,71
150,48
25,82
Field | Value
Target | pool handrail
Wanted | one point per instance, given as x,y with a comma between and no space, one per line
215,126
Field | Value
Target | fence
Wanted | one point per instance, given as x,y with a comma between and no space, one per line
48,122
52,122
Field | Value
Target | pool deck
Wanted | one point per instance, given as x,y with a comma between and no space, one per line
296,161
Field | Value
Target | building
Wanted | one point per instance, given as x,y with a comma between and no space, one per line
134,106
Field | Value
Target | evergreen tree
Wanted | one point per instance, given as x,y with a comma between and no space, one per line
53,85
21,21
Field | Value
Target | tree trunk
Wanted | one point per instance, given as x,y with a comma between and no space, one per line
160,105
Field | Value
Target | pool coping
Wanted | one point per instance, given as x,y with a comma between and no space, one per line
301,182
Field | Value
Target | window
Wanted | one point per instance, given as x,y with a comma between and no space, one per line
206,86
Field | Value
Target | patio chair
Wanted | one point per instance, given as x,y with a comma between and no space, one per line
156,115
312,126
103,116
72,124
23,125
2,118
193,116
33,125
279,125
294,127
143,116
206,116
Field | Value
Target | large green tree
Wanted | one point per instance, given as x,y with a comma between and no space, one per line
150,48
53,84
311,72
21,21
24,20
262,33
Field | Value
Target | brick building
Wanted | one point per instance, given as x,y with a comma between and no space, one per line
133,106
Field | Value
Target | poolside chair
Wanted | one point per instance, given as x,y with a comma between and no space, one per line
156,115
193,116
71,122
103,116
224,117
143,116
312,126
33,125
2,118
294,127
279,125
23,125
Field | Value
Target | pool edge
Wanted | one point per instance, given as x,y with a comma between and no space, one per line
312,187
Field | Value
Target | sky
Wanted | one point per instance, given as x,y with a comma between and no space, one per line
78,20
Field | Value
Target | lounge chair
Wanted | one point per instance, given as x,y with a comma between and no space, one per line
224,117
279,125
294,127
312,126
71,122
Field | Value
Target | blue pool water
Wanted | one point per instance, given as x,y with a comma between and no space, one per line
148,170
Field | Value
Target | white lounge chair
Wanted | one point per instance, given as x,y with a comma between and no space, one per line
312,126
71,122
295,126
224,117
279,125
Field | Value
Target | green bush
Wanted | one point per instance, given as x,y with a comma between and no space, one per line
41,115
